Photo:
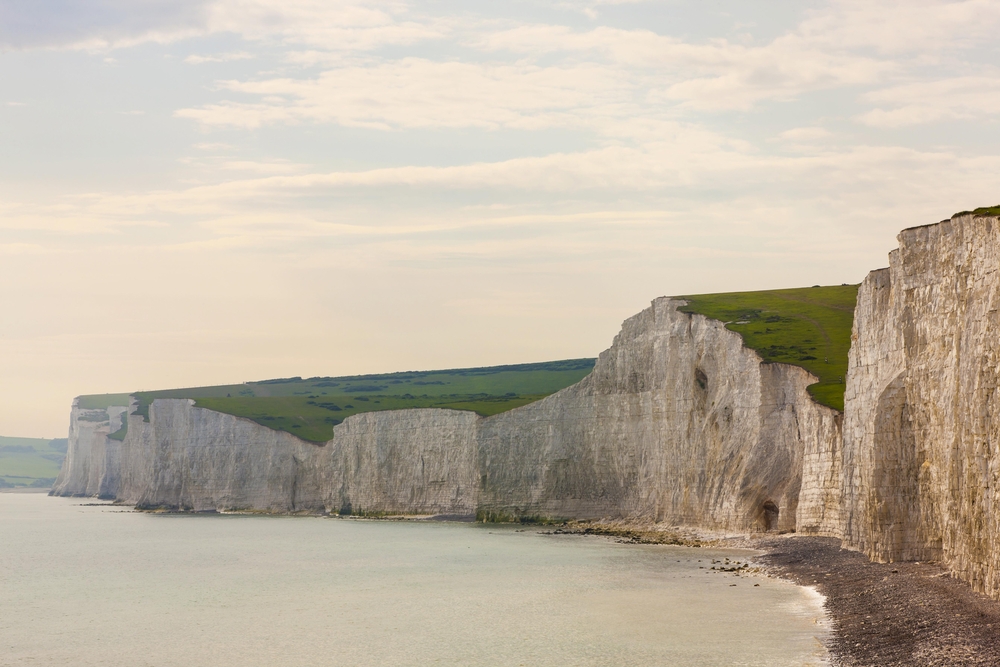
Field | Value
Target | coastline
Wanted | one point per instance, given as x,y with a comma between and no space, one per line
903,614
888,614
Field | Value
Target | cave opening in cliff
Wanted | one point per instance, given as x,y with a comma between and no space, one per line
769,515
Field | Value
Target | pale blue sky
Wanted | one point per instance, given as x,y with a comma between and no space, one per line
226,190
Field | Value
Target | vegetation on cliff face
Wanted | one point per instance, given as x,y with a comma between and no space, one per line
808,327
310,408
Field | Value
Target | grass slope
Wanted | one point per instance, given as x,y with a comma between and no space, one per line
982,211
310,408
30,461
808,327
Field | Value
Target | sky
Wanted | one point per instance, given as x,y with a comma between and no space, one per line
200,192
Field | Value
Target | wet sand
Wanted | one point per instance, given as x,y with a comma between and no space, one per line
884,615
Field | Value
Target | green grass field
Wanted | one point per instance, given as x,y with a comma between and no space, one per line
102,401
30,461
310,408
808,327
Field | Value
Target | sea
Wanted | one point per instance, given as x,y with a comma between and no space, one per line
94,584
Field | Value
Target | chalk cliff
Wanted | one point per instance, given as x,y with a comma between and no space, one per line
190,458
679,422
405,462
921,466
92,463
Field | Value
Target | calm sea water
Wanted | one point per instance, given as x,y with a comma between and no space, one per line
85,585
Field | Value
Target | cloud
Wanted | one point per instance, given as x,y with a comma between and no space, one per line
414,92
716,74
270,167
902,26
194,59
686,170
959,98
26,24
113,24
805,134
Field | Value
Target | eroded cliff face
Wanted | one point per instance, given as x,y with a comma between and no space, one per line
191,458
405,462
922,418
678,423
93,460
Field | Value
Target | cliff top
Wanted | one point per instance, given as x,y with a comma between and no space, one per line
808,327
310,408
982,211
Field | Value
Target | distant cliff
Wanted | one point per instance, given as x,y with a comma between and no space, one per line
92,465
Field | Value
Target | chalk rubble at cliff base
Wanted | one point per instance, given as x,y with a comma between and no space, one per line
678,424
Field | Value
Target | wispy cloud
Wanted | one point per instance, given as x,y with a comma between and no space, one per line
415,92
195,59
348,24
959,98
269,167
805,134
213,146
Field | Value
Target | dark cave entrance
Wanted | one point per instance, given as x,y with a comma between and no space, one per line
769,515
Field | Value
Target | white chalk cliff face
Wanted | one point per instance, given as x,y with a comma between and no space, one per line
190,458
92,463
678,423
921,458
405,462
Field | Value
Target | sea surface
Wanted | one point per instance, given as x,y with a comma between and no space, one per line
84,584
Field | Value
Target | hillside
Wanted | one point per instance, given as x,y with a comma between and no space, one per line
30,461
310,408
808,327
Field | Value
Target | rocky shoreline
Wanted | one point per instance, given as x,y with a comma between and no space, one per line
882,614
889,614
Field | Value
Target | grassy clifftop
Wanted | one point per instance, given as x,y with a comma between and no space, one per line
981,211
310,408
808,327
